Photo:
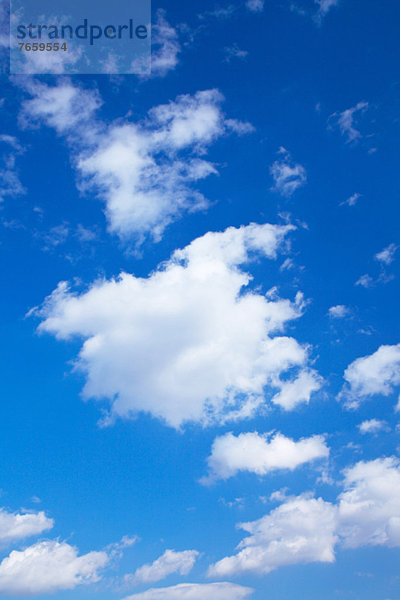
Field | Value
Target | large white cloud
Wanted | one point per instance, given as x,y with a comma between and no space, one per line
188,343
170,562
304,529
261,454
15,526
301,530
47,567
372,375
195,591
146,171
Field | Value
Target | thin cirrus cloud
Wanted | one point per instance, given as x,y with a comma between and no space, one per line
190,342
47,567
145,172
377,374
196,591
288,176
305,529
16,526
261,454
170,562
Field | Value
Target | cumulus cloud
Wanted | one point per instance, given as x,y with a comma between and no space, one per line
301,530
196,591
386,256
305,529
48,567
170,562
145,172
16,526
339,311
189,342
346,121
376,374
369,508
261,454
372,426
287,175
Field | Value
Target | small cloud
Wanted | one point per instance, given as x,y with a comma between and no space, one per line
232,52
346,121
255,6
287,175
324,6
365,281
287,265
352,201
338,312
219,13
386,256
373,426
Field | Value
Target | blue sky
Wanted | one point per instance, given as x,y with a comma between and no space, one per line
201,361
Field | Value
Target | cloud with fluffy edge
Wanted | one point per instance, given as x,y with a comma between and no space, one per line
305,529
191,342
261,454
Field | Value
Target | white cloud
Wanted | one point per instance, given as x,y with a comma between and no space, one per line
10,184
47,567
144,172
62,107
170,562
196,591
165,49
305,529
386,256
324,6
339,311
288,176
188,343
255,5
43,62
346,121
365,281
15,526
352,201
301,530
261,454
234,52
372,426
297,390
369,508
376,374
